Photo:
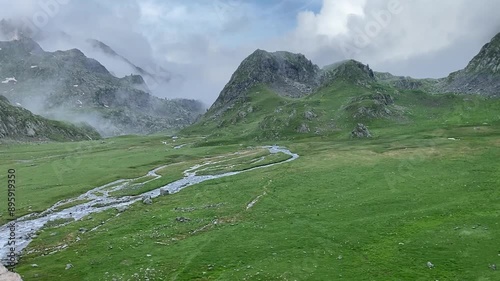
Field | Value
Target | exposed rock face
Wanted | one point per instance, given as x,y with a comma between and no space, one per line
67,85
286,73
482,74
350,70
6,275
361,131
20,124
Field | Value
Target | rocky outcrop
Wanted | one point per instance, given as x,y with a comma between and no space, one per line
288,74
361,131
481,76
350,70
6,275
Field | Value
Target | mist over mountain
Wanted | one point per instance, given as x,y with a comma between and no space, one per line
67,85
17,123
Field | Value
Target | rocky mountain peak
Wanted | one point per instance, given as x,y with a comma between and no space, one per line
481,76
488,59
351,70
288,74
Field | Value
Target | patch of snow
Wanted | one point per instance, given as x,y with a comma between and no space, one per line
106,106
7,80
76,86
34,66
18,104
79,102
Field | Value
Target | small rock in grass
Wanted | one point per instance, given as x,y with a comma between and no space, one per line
430,265
121,209
147,200
493,266
68,266
182,219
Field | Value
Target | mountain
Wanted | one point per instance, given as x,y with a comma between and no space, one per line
282,95
286,73
67,85
17,123
105,53
482,74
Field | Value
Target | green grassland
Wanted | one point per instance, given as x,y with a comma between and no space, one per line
376,209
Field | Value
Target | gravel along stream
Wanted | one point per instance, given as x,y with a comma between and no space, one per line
99,199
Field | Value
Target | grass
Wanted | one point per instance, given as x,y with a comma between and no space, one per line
377,209
423,189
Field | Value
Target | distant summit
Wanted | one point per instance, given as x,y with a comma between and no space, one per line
67,85
482,74
286,73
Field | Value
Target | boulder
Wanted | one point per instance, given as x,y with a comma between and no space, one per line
309,115
6,275
164,192
361,131
147,200
303,129
182,219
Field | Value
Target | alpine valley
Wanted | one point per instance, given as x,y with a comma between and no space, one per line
296,172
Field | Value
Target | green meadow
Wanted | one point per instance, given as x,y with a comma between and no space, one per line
375,209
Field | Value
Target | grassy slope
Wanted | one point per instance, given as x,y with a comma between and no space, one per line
345,210
265,116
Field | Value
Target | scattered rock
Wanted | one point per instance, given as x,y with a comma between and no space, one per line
303,129
493,266
82,230
309,115
147,200
121,209
182,219
430,265
6,275
361,131
68,266
164,192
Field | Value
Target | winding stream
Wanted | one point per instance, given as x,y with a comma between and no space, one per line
99,199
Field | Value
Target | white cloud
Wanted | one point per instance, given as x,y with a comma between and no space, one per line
204,41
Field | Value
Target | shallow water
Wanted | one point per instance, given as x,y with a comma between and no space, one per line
99,200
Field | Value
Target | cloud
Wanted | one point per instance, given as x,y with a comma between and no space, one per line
201,43
391,32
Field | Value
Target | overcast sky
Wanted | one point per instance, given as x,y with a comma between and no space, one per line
201,42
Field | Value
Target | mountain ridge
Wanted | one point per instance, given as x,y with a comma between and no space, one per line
19,124
67,85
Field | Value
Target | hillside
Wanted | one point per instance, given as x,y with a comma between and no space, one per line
482,74
66,85
263,98
17,124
